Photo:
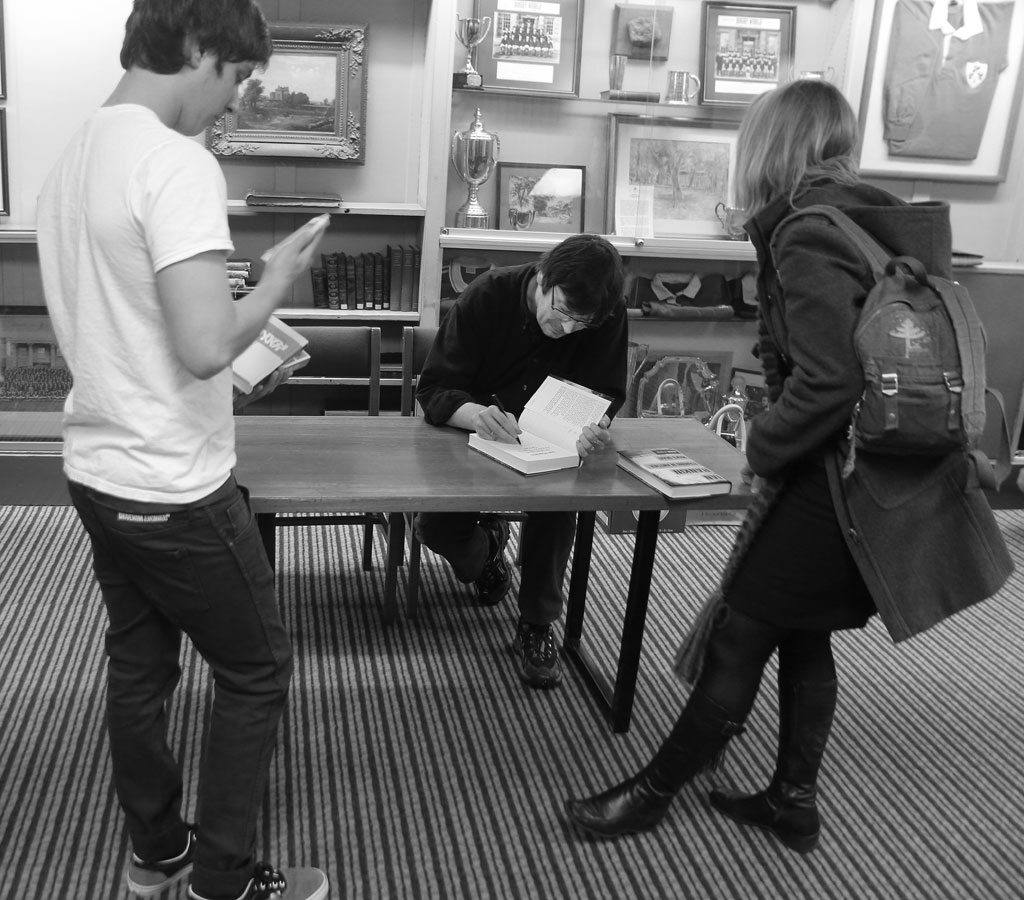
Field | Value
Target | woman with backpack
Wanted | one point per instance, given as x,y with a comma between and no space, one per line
909,537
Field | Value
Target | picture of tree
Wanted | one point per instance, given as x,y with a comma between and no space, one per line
295,93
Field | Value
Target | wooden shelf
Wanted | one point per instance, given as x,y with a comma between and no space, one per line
412,210
538,242
349,315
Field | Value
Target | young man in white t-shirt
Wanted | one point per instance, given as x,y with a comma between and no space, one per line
133,237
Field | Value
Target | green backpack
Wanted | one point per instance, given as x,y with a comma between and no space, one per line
922,348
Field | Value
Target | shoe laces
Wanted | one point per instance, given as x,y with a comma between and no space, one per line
267,881
539,642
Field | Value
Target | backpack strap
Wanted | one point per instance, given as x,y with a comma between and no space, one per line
875,254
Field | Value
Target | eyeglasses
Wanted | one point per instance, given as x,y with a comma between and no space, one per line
564,313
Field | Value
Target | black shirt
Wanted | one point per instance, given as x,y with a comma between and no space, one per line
490,343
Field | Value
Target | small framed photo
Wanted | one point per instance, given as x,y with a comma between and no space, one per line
532,48
641,32
747,50
689,383
539,197
667,175
747,388
963,128
310,101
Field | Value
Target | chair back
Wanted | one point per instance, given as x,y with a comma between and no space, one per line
341,356
416,343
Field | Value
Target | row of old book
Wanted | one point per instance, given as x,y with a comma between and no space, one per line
375,280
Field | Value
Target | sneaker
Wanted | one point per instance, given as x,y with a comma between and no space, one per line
268,883
496,578
147,877
537,652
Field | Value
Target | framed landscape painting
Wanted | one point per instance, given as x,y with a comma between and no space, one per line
667,175
310,101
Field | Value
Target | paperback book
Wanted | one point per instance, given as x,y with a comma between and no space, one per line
277,345
551,423
673,473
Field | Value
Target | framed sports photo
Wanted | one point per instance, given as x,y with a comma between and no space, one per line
539,197
532,47
747,50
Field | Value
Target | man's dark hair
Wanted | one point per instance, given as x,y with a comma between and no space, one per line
160,34
589,271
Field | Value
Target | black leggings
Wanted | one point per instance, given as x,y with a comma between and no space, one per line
739,649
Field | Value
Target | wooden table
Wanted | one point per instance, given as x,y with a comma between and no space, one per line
403,465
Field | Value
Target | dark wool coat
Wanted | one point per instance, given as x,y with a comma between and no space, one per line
919,528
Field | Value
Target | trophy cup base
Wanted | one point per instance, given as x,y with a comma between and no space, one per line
472,220
471,80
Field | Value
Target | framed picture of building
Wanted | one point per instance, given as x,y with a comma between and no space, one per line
540,197
310,101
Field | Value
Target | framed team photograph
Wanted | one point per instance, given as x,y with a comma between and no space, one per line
667,175
746,51
957,122
538,197
310,101
532,48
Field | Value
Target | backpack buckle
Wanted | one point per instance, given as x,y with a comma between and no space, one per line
890,387
955,386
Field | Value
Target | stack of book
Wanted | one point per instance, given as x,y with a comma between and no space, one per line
240,277
384,280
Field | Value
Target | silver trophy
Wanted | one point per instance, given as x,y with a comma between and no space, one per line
470,33
474,156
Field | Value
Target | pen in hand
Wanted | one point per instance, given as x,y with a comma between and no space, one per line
501,407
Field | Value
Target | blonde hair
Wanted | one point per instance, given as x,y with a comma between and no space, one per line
803,130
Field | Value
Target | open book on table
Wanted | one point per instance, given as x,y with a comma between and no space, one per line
552,422
673,473
278,345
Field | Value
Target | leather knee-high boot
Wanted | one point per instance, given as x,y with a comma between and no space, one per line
639,803
788,807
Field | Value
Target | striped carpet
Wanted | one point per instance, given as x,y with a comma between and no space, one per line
412,764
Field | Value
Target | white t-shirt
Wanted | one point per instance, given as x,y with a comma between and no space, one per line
127,198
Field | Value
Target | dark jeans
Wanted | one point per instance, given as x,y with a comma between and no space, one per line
545,543
200,569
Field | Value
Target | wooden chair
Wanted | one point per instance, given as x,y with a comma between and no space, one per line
342,357
416,344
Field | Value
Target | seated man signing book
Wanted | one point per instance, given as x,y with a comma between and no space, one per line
562,315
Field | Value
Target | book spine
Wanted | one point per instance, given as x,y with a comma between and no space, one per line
415,303
378,280
350,282
395,264
407,279
359,281
330,261
318,275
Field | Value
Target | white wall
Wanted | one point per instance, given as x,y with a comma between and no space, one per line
62,62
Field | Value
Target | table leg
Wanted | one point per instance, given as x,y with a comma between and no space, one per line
267,526
635,618
618,698
576,606
396,550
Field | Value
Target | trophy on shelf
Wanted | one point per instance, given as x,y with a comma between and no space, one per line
474,156
470,33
